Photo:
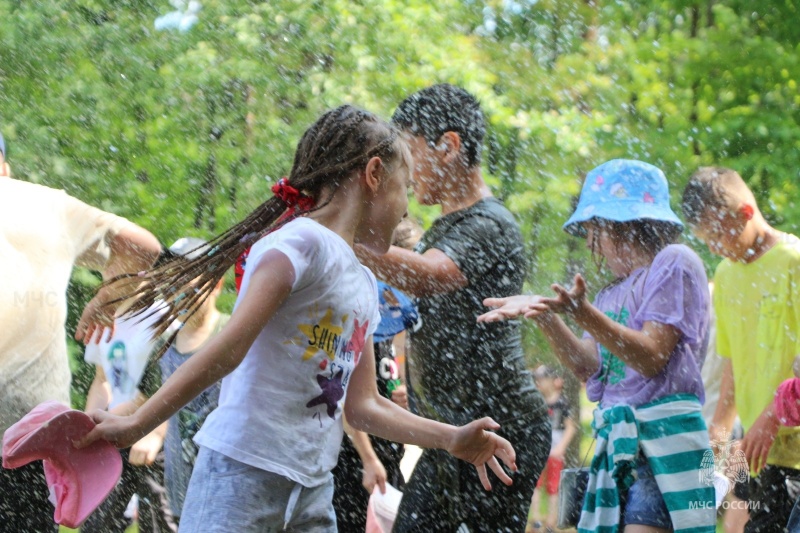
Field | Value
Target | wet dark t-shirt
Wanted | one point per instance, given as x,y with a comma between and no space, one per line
459,369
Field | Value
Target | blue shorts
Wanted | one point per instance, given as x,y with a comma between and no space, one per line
225,495
644,503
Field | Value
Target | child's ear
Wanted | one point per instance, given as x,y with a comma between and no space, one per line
373,174
450,142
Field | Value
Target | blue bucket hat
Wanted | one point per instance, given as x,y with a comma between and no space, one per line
622,190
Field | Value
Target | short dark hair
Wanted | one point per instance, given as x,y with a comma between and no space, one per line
706,191
441,108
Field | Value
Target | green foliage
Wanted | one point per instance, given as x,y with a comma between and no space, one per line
183,132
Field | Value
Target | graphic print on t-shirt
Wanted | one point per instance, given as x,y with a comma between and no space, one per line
613,368
332,392
118,361
340,356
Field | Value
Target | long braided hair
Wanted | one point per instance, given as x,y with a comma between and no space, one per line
338,143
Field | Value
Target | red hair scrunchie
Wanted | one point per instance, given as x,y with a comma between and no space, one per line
293,198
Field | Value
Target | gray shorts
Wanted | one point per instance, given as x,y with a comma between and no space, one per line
225,495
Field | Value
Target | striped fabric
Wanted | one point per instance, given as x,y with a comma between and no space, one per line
672,435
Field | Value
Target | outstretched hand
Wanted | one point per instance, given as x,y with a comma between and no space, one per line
509,308
567,301
477,444
121,431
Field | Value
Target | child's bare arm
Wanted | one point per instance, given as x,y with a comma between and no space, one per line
270,284
475,442
759,438
725,413
99,395
577,354
419,274
646,351
132,249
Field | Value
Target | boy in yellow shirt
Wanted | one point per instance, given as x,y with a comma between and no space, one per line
757,303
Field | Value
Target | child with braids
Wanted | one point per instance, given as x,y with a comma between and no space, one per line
292,350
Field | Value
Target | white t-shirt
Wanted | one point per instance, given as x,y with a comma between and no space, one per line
125,356
281,409
43,232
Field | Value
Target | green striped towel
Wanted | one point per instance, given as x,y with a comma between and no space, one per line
673,437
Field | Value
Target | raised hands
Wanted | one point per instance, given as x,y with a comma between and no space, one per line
565,301
477,444
510,307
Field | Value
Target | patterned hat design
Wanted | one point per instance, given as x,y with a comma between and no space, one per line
622,190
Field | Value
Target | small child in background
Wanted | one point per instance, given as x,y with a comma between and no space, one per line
122,373
551,385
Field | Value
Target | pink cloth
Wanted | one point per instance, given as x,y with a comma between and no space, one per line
787,402
79,480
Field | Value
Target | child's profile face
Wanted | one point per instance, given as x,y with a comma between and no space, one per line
722,233
391,203
426,171
599,236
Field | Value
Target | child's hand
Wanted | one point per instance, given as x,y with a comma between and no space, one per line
759,438
97,317
476,444
508,308
400,396
567,301
374,474
145,450
121,431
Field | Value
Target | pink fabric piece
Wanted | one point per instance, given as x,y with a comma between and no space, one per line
787,402
79,480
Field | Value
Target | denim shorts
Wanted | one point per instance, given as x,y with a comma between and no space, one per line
644,503
225,495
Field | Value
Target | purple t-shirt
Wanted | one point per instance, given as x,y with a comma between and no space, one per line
674,291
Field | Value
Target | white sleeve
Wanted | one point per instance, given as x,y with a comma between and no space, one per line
375,311
301,243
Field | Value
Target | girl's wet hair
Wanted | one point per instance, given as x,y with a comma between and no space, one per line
645,234
337,144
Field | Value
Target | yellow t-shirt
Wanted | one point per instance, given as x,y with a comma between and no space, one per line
758,322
